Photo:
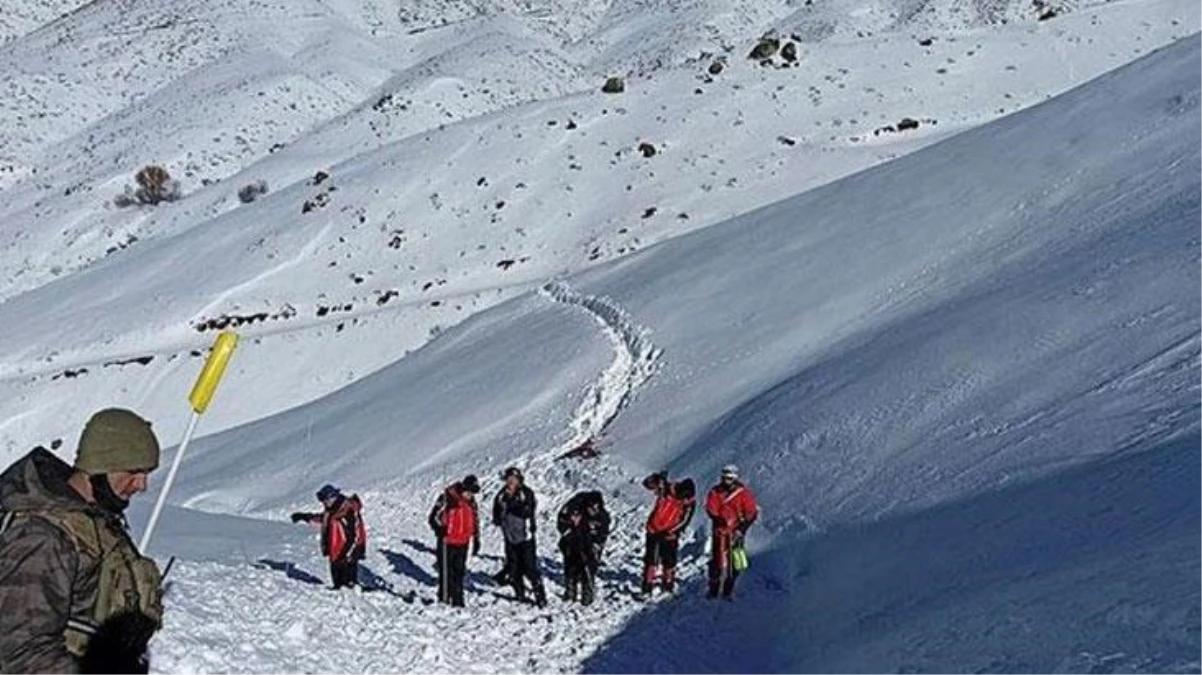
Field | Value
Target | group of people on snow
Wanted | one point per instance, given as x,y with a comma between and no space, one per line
78,596
732,509
583,524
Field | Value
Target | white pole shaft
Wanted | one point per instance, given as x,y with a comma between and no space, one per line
158,506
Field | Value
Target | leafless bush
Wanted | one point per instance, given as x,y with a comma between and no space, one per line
252,191
154,185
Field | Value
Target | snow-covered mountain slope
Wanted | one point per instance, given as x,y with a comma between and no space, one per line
468,163
22,17
986,454
964,385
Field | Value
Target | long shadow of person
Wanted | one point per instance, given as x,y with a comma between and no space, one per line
419,546
289,569
406,567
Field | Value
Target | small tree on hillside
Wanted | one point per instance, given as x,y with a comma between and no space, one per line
154,185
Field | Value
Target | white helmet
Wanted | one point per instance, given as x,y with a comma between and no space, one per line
730,470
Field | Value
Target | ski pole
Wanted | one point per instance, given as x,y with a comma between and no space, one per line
201,396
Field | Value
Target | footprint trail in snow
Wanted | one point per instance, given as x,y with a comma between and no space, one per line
275,609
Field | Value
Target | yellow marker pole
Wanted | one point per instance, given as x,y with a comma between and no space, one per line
200,398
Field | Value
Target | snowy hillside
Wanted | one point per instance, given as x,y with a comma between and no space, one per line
944,314
964,432
467,165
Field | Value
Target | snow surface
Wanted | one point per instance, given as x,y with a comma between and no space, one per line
964,383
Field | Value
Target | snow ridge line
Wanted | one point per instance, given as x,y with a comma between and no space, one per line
636,360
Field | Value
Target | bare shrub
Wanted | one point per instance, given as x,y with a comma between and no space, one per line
154,185
252,191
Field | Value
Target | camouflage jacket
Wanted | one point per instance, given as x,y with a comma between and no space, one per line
54,547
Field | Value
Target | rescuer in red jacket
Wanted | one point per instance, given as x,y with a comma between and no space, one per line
456,523
343,534
673,511
732,509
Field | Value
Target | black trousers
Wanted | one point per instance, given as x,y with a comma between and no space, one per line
722,572
580,563
660,552
521,562
452,568
344,573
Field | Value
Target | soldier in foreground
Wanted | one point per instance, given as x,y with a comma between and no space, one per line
68,567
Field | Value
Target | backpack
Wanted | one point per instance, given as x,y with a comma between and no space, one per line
127,581
685,490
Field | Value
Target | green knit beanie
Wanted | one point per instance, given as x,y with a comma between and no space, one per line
117,440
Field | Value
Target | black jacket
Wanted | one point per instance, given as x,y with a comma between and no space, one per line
584,520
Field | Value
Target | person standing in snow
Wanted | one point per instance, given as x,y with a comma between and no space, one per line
673,512
732,510
583,525
513,511
343,534
69,570
456,524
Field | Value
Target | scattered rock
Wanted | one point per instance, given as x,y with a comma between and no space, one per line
614,85
141,361
319,178
647,149
71,374
231,321
716,67
319,201
926,42
325,310
766,48
789,52
651,210
785,140
906,124
130,240
386,297
506,264
1044,10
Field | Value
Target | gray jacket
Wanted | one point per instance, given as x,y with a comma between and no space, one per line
514,514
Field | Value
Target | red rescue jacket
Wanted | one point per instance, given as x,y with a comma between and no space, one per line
454,517
671,514
731,508
343,534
